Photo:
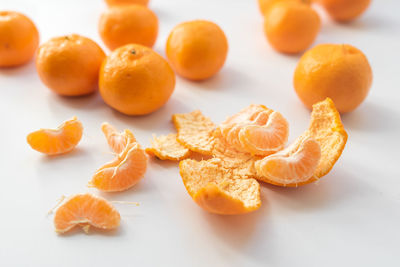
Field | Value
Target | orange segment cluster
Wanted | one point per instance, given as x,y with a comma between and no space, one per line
225,183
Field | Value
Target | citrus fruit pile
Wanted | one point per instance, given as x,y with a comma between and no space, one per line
249,146
291,26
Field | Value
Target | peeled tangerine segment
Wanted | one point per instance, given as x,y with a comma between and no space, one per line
117,141
166,147
195,131
292,166
268,138
86,210
215,190
256,130
57,141
123,172
298,164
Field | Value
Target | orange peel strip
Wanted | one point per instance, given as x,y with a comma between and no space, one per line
166,147
195,131
215,189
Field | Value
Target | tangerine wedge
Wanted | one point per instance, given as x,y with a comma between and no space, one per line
123,172
117,141
215,190
57,141
86,210
294,165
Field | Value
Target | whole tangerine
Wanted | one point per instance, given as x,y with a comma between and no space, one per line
291,26
121,25
19,39
126,2
197,49
135,80
340,72
345,10
264,5
69,65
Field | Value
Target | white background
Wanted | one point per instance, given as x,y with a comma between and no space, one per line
350,218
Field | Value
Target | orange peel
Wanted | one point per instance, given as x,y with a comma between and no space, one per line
215,189
166,147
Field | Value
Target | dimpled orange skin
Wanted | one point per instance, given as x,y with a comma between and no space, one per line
69,65
197,49
135,80
19,39
121,25
344,10
291,26
340,72
126,2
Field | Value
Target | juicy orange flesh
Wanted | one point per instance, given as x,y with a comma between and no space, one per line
123,172
295,164
86,209
117,141
57,141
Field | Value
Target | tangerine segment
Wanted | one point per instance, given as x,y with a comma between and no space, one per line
57,141
215,190
116,140
166,147
327,129
266,139
123,172
195,131
86,210
292,166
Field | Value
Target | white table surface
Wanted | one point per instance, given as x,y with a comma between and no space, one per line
350,218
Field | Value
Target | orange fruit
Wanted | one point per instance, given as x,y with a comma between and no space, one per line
197,49
123,172
256,130
19,39
86,210
135,80
69,65
291,26
265,5
215,190
312,155
117,141
121,25
340,72
344,10
295,164
57,141
126,2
